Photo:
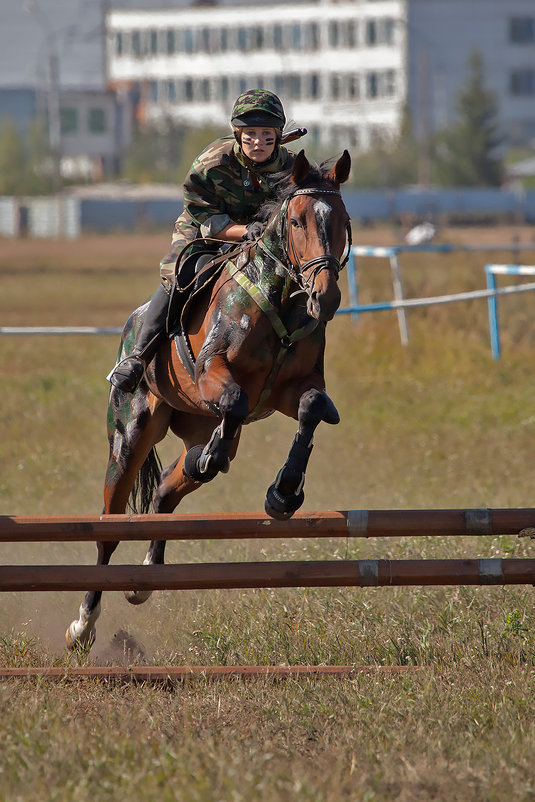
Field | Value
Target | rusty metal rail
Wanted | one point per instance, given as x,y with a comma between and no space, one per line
171,674
291,574
232,526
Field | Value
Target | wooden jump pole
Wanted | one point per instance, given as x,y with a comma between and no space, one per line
170,674
232,526
291,574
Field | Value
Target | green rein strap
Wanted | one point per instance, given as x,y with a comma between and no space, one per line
286,339
268,309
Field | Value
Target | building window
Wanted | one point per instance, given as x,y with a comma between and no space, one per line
388,30
153,38
189,40
296,37
294,86
371,85
259,38
96,120
522,30
277,37
351,32
68,119
188,90
171,91
119,44
334,36
389,83
314,85
204,40
170,43
371,32
313,36
353,87
136,43
335,87
523,82
224,40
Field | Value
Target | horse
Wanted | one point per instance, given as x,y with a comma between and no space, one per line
248,343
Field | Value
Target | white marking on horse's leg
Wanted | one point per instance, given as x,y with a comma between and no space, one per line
139,596
82,631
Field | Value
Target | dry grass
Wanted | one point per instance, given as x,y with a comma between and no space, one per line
435,425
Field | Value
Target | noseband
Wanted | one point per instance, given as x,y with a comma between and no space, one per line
318,263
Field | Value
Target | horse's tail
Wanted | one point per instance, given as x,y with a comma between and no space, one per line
145,484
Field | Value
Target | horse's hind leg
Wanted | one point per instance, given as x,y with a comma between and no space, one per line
135,426
82,631
286,494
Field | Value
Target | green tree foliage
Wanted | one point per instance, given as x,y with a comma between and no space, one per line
390,162
163,151
467,154
13,165
25,163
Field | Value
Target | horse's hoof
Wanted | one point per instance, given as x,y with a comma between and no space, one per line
191,466
84,641
282,507
137,596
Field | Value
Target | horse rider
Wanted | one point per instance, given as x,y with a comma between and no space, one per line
226,185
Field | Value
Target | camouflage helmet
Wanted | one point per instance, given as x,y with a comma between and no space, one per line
258,107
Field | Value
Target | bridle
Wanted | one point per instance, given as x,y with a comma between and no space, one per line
312,267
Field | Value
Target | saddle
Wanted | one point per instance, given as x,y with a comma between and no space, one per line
194,272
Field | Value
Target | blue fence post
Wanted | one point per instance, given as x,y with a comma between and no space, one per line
352,284
493,313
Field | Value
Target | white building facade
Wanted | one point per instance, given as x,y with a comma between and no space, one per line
343,69
338,68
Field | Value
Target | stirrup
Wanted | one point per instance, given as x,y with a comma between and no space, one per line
127,374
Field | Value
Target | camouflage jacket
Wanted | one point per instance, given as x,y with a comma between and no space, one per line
221,187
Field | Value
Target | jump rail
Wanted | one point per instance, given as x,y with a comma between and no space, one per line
235,526
291,574
334,573
171,674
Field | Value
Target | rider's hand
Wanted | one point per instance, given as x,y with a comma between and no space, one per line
253,231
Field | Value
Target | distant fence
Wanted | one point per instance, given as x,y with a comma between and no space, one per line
491,272
400,303
319,573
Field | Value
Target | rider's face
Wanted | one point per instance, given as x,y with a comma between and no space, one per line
258,143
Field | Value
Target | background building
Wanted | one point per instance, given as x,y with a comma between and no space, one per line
52,57
345,69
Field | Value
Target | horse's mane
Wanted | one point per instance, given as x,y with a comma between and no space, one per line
284,187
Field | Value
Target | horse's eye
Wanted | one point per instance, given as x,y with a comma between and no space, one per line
294,222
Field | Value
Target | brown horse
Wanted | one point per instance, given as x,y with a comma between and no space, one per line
249,343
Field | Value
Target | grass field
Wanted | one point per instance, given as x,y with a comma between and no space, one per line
436,424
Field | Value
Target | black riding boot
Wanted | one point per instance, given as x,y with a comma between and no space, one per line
129,371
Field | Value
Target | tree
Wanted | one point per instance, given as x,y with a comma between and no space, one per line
467,154
390,162
12,159
164,150
25,162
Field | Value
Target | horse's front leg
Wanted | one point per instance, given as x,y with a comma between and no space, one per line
224,396
286,494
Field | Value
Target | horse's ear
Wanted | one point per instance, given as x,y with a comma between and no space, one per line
301,168
340,171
